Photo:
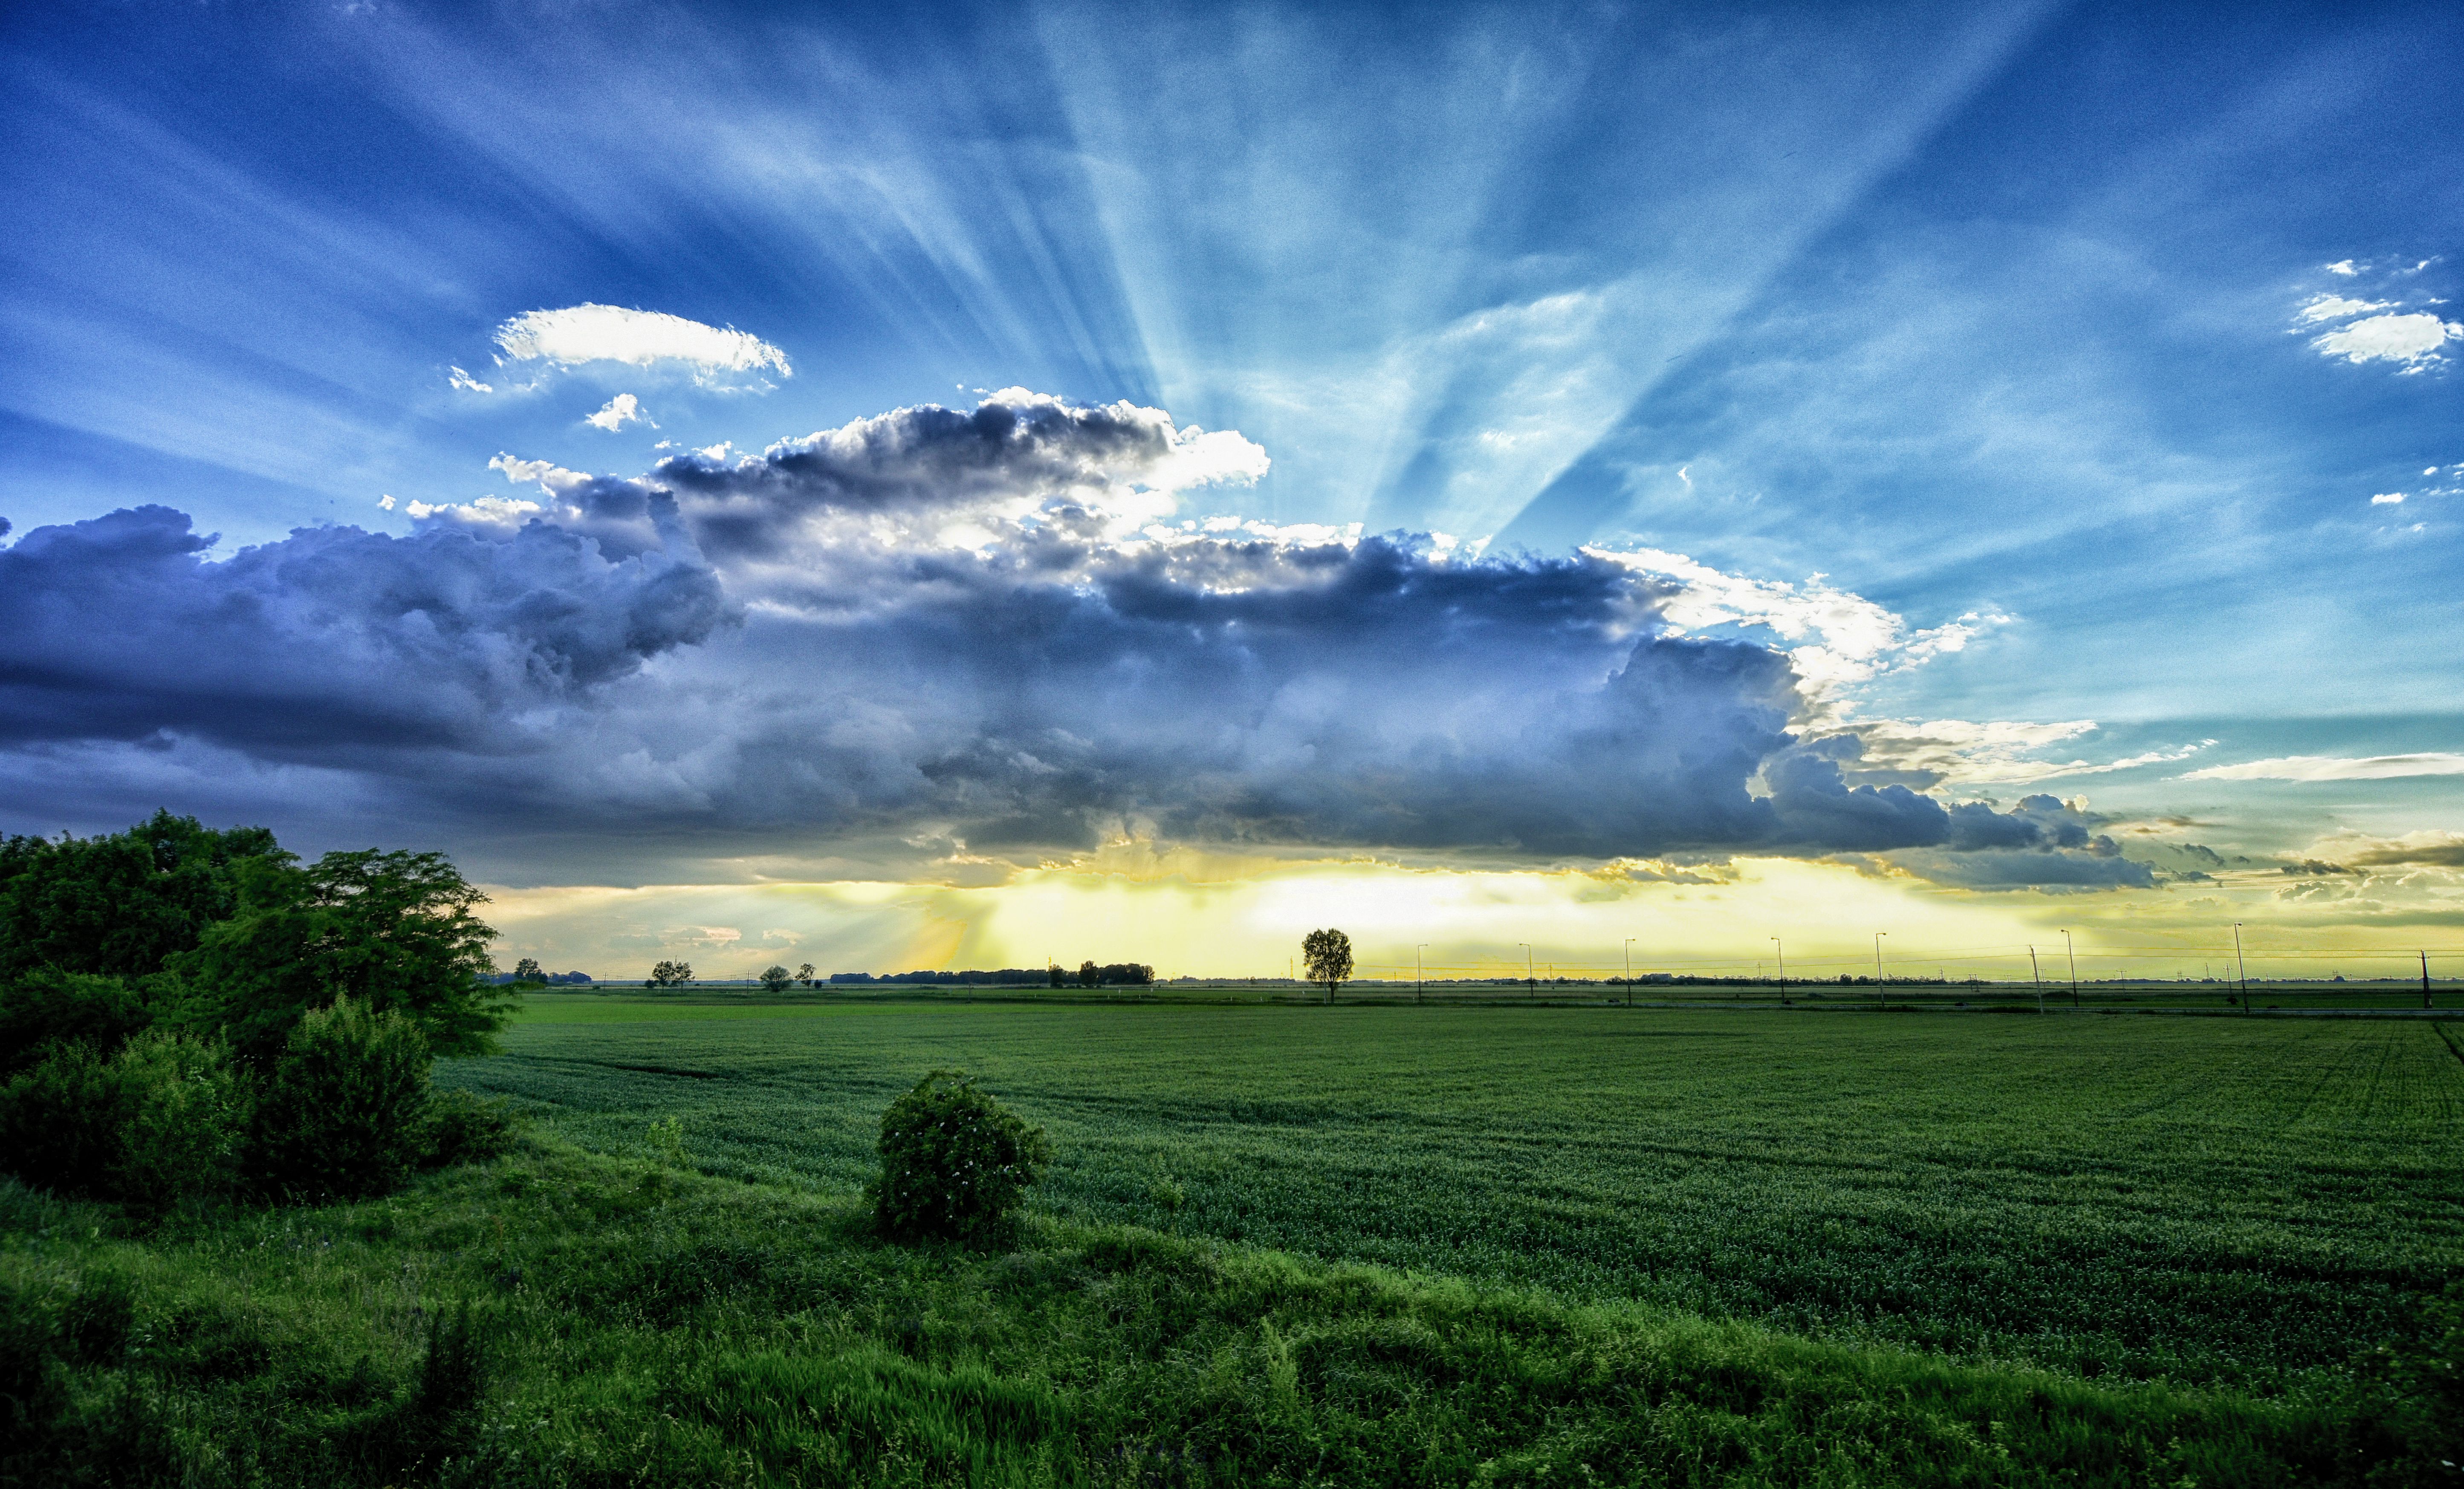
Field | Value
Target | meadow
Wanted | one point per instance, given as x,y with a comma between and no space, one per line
2239,1202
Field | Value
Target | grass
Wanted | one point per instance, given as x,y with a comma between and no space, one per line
609,1321
1300,1245
2231,1202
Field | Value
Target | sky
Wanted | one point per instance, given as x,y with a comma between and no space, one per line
962,485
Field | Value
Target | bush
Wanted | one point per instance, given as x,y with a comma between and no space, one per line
954,1163
157,1125
48,1006
459,1128
61,1121
341,1115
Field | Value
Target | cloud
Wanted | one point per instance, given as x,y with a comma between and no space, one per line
466,382
589,333
2388,499
978,637
2419,849
621,410
2323,767
2343,266
2331,307
2411,339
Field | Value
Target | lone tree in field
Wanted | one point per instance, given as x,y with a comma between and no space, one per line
1327,955
669,974
804,974
775,979
527,970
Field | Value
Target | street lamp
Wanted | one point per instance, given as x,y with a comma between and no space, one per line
1880,997
2242,967
1629,973
2072,952
1781,953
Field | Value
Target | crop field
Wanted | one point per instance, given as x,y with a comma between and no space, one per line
2221,1201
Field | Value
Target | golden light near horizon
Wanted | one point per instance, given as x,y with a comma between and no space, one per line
1231,918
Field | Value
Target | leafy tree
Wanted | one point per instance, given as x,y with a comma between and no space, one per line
954,1163
1328,956
47,1007
805,974
776,980
119,905
1089,975
528,970
393,932
669,974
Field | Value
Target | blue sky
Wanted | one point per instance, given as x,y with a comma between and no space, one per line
2105,336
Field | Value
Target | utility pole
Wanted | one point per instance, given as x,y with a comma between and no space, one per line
1629,974
2073,951
1781,953
2036,972
1530,977
2425,979
2243,965
1882,1000
1415,970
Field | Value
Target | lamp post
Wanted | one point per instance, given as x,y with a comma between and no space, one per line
2072,952
1415,970
1880,998
1629,973
2242,967
1781,953
1531,975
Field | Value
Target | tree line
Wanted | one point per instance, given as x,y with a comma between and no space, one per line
190,1015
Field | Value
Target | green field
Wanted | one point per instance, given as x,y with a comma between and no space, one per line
2235,1202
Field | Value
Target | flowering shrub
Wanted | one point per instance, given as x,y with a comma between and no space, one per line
954,1163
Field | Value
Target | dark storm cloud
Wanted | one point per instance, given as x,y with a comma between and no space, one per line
118,628
965,633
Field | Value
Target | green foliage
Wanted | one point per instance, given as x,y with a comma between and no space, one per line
777,979
341,1113
669,974
1326,956
119,905
156,1125
528,970
955,1163
46,1006
457,1127
393,932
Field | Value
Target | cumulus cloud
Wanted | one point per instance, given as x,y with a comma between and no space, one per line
621,410
980,636
2335,307
2388,499
2412,339
2325,767
589,333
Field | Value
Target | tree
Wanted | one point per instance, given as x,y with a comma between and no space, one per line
955,1163
528,970
805,974
776,980
393,931
669,974
1327,955
117,904
1089,975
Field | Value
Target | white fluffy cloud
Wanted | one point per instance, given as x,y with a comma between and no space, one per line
2325,767
2332,307
466,383
591,333
621,410
2388,499
2412,339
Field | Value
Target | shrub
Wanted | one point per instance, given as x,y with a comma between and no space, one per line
460,1128
954,1163
187,1112
48,1006
156,1125
61,1121
341,1116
